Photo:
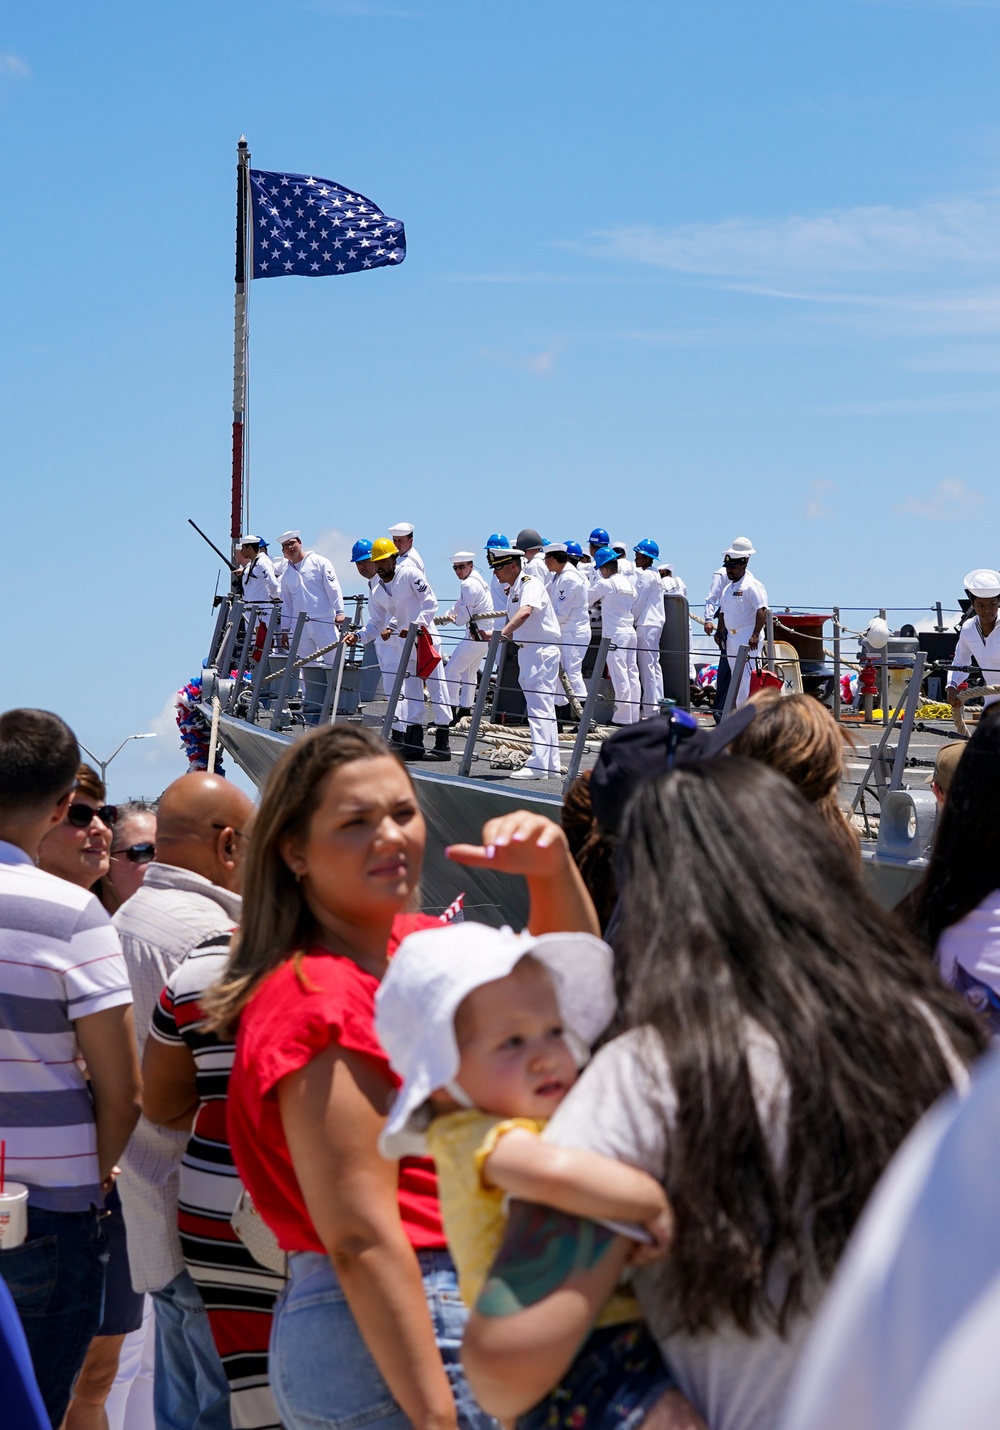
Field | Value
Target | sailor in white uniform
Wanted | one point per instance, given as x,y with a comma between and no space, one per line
377,630
413,603
258,584
979,638
532,623
463,664
402,536
672,585
568,591
649,617
742,609
625,566
529,541
617,598
309,583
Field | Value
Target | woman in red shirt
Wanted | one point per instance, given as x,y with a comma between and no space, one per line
368,1330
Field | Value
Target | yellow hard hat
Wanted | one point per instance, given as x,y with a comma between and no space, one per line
383,548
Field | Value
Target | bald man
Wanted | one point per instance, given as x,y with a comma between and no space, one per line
191,893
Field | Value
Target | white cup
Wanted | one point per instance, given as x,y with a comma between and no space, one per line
13,1215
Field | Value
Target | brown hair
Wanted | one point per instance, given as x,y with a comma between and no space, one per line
798,736
592,853
276,920
89,782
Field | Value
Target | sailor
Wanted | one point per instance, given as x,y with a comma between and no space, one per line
413,603
672,585
625,566
649,617
532,621
529,541
979,638
463,664
715,590
742,609
614,592
498,593
597,539
574,551
309,583
258,587
378,628
278,562
402,536
568,590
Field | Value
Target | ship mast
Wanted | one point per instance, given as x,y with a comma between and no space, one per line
240,337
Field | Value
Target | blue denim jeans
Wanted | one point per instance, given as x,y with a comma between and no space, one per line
56,1279
190,1390
323,1375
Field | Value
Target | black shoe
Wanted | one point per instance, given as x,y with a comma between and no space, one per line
395,737
442,749
413,743
460,713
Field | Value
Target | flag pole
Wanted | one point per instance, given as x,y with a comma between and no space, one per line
240,336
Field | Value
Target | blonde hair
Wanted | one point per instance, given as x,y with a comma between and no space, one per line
276,921
798,736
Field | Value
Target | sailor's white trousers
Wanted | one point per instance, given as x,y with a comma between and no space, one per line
624,674
572,649
461,670
647,656
538,672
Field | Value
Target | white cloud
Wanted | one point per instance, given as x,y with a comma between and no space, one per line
13,67
539,364
336,547
950,500
817,508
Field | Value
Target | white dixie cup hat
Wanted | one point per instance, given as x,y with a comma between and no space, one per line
741,547
460,556
402,528
289,536
435,969
983,582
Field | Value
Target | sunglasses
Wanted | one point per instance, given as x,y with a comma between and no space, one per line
79,814
136,853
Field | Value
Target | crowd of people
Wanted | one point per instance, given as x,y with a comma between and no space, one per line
297,1154
546,596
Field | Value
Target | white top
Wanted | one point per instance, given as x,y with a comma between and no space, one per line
412,558
673,586
498,595
259,582
410,597
648,606
969,958
617,598
60,960
739,604
172,912
473,599
541,627
311,586
907,1337
569,591
380,615
625,1106
971,646
537,567
715,591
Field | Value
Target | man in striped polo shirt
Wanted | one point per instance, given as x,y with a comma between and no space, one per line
69,1077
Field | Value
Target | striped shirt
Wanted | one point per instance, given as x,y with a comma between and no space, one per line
60,960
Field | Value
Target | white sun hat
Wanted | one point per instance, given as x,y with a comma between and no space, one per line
741,547
435,969
402,528
983,582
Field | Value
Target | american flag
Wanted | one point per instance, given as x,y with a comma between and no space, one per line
311,226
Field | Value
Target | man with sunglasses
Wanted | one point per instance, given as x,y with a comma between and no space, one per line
742,609
65,1001
190,893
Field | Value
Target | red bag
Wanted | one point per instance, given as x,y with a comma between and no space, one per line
762,679
428,656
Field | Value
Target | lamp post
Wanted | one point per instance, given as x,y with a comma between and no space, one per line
148,735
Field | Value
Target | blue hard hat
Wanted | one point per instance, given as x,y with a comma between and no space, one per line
497,542
604,554
361,550
573,548
647,547
263,544
599,537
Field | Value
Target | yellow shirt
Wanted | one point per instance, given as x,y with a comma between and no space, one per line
473,1214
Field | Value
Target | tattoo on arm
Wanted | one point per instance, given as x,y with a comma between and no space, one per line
542,1248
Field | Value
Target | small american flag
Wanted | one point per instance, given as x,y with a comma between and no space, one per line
313,227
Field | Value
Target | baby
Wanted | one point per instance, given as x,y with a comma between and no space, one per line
487,1030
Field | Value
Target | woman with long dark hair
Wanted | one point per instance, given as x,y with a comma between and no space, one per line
368,1329
958,910
783,1036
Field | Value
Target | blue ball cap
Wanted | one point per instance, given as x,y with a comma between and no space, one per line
604,554
647,547
498,542
573,548
361,550
599,537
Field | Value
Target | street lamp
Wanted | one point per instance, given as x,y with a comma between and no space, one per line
149,735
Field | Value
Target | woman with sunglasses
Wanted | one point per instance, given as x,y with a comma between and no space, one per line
133,847
80,850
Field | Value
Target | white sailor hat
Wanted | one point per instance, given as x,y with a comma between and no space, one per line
402,528
554,548
249,540
618,546
289,536
983,582
462,556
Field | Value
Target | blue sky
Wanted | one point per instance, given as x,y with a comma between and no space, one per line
688,270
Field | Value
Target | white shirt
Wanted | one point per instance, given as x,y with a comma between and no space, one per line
971,646
569,591
537,567
498,595
311,586
473,599
412,558
648,606
715,590
172,912
673,586
259,582
617,598
541,627
60,960
739,604
380,615
410,597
